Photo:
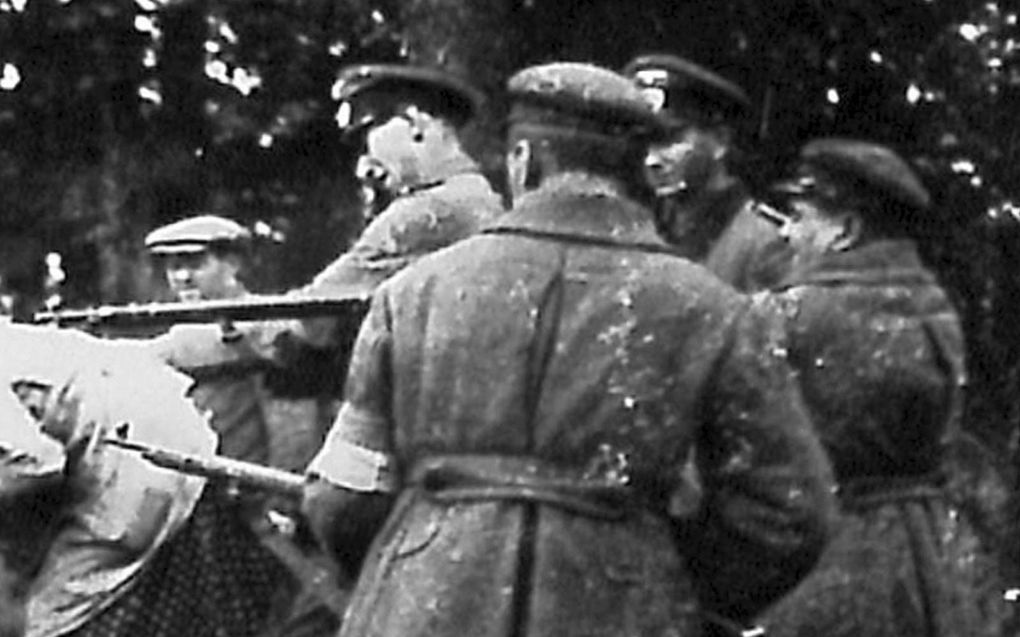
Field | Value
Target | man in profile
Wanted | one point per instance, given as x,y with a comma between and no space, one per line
409,119
422,191
703,207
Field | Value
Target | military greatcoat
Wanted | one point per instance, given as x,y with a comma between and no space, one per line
879,351
540,386
425,219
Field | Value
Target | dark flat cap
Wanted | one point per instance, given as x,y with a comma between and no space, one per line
583,96
370,93
195,234
681,89
869,165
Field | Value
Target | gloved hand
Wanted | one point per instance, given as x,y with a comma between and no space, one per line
344,522
322,503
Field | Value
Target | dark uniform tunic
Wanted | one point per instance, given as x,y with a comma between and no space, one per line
880,351
749,254
540,386
737,244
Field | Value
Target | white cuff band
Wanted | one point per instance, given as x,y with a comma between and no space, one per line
352,467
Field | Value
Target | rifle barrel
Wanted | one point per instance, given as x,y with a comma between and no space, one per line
257,309
243,473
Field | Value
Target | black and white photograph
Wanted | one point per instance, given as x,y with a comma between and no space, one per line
509,318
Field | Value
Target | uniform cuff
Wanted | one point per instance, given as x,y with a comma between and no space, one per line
353,467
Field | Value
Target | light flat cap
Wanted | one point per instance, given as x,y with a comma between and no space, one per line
195,234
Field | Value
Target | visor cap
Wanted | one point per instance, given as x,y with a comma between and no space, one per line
372,93
683,91
858,164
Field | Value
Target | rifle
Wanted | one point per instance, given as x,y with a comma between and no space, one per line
259,308
237,472
316,573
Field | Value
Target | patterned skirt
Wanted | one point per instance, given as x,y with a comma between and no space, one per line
214,578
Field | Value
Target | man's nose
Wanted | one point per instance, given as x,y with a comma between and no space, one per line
179,274
654,163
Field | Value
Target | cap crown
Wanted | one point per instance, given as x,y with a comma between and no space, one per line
370,93
873,166
682,89
584,94
195,234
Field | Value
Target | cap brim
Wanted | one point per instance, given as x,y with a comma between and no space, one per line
791,187
181,248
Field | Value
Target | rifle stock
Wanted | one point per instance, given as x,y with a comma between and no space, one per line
259,308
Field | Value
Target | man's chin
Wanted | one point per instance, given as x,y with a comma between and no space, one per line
189,296
672,190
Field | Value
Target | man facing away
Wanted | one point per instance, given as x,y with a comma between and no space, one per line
520,405
704,209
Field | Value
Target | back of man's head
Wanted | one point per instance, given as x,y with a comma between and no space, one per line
581,118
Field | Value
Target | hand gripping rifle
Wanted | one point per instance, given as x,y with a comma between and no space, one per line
258,308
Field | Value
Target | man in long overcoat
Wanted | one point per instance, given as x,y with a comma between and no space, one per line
880,355
530,395
704,208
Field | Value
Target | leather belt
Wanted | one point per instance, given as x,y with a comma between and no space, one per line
466,478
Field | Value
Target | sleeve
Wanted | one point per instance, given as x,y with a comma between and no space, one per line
136,504
29,459
386,246
357,454
205,349
767,483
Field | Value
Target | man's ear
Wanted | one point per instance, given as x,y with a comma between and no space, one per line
518,164
724,138
852,226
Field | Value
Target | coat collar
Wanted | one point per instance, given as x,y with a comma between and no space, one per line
451,168
580,208
885,262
